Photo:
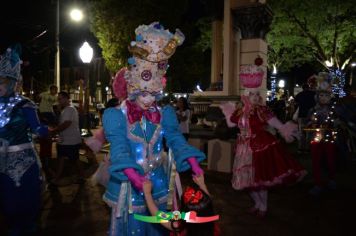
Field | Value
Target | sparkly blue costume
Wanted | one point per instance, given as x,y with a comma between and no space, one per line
20,179
139,146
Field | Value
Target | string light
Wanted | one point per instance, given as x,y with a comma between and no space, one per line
325,133
273,87
339,82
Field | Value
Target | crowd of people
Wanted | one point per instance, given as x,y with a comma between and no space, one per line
149,144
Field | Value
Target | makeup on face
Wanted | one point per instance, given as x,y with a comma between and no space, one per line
145,100
254,97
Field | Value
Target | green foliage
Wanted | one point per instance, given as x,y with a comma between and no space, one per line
313,30
204,42
114,23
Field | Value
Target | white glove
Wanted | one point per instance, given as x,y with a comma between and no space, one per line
288,131
228,109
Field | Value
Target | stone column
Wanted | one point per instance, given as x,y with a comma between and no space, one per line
216,51
228,49
253,22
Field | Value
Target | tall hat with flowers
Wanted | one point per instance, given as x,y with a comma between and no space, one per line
10,63
151,50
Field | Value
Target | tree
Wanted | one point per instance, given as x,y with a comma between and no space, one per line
313,30
114,22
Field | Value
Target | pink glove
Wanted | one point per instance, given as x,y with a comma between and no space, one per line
136,179
195,166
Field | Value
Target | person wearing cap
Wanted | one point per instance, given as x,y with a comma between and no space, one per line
261,161
135,131
20,168
305,100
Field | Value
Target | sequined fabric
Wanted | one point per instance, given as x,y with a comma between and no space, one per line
15,164
6,106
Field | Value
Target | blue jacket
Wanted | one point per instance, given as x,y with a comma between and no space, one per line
139,146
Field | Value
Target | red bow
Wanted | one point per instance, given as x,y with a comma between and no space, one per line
135,113
192,196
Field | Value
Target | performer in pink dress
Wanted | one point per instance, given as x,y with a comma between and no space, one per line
260,160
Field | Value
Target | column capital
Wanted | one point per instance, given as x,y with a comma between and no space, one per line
253,20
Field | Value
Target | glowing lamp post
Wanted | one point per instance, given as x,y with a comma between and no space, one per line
86,55
77,16
281,84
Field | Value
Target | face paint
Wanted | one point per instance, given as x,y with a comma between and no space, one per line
254,97
145,100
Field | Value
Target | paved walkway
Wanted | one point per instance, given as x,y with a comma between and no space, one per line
77,209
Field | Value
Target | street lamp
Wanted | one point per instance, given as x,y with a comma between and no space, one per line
281,83
75,15
86,55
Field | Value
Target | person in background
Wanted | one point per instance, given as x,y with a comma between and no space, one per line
322,126
183,115
20,168
69,141
305,100
346,136
48,117
47,100
279,108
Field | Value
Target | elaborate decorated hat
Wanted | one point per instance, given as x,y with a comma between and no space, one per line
154,43
251,76
149,62
10,63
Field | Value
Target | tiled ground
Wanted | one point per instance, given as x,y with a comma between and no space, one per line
77,210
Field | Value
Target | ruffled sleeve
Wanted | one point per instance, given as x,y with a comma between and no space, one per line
176,141
115,129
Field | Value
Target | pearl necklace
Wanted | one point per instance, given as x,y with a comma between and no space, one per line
6,109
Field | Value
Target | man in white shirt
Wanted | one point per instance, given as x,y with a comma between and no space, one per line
69,140
48,99
48,117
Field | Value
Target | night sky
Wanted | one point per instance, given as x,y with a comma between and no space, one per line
32,24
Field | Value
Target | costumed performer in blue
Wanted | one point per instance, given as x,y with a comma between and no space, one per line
20,168
135,131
